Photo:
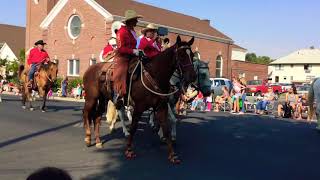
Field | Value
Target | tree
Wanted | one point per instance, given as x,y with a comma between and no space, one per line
252,57
22,56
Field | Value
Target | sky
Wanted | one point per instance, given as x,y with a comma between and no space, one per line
273,28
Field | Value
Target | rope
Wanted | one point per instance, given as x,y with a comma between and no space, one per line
156,93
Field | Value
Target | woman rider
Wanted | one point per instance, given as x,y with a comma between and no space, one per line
148,43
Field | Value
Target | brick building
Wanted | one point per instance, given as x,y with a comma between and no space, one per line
77,30
242,68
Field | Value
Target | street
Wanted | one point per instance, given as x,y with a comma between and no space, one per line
211,146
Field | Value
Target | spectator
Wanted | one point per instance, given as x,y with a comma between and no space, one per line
196,101
302,105
291,99
78,91
237,87
222,99
185,98
49,173
64,87
244,95
50,94
209,102
267,98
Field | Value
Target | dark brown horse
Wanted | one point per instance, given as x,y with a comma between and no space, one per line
44,79
161,68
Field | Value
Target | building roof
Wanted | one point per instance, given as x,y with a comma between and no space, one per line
302,56
163,17
14,36
238,47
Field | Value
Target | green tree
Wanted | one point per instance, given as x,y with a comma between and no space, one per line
22,56
252,57
3,62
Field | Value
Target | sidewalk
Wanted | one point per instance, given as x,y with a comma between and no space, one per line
56,98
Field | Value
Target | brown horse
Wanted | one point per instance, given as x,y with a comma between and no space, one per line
160,68
44,79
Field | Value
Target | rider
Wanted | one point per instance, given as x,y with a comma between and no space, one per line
126,42
37,55
149,42
112,43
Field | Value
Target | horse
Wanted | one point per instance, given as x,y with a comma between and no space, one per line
314,93
44,79
149,90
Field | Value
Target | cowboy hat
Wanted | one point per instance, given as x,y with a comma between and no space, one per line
131,14
150,26
40,42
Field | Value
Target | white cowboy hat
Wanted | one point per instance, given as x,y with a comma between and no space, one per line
131,14
115,26
150,26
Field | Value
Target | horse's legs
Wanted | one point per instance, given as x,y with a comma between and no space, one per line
45,92
87,117
121,113
24,97
162,115
97,122
133,128
173,123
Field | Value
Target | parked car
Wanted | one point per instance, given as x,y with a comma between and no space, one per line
218,83
259,87
285,86
303,89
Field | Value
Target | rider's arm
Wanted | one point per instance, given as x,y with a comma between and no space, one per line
30,56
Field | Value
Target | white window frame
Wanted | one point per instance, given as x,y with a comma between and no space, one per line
93,59
279,67
74,67
221,65
69,27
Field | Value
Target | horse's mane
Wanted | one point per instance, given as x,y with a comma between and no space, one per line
45,67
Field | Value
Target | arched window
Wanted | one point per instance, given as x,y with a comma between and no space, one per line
219,66
74,26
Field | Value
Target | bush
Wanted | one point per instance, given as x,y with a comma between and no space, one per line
73,83
57,84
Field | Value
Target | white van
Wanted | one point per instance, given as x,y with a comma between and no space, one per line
218,83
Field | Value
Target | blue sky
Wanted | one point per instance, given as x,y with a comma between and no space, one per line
273,28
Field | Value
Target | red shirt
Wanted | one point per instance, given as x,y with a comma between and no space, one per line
126,41
107,50
37,56
149,46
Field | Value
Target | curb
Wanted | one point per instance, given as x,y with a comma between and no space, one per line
69,99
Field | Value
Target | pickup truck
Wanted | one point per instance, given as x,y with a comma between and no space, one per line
259,87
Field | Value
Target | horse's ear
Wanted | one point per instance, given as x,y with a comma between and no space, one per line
191,41
178,40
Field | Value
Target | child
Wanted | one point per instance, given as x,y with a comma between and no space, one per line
50,94
209,102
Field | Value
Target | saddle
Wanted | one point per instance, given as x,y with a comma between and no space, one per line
34,86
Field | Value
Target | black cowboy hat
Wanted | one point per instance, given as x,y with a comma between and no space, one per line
40,42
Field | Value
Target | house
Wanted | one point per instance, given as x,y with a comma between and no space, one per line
77,30
12,41
242,68
301,66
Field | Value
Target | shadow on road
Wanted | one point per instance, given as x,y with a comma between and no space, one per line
39,133
221,148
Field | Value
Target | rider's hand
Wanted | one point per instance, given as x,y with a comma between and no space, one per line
138,52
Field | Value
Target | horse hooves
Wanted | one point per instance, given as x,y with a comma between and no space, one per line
31,109
130,154
88,142
43,111
99,145
126,134
23,107
174,159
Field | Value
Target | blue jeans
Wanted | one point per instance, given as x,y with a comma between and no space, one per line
243,100
261,105
32,71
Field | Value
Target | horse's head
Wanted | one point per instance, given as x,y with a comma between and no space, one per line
184,56
203,78
52,70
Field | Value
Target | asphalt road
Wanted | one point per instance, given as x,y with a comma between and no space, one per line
211,145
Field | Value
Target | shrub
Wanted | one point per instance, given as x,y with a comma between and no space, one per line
57,84
73,83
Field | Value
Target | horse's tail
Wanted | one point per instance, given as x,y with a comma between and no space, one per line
311,99
21,68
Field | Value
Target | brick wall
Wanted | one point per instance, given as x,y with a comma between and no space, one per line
94,35
250,69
